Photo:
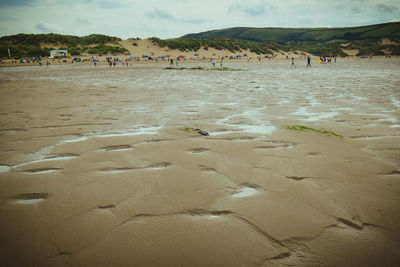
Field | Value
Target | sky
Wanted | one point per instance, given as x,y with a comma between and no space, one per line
175,18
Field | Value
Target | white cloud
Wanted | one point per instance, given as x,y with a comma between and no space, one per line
44,27
174,18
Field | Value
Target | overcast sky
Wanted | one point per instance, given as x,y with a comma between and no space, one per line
174,18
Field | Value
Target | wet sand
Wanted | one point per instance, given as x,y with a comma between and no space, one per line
100,167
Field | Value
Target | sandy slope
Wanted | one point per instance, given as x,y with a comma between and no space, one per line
147,47
97,168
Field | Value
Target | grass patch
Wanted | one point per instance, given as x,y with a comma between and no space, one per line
193,130
224,69
187,130
233,45
305,128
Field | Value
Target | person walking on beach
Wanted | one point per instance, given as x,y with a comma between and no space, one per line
171,64
293,65
213,62
308,61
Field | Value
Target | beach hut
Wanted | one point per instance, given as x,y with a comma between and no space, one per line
58,53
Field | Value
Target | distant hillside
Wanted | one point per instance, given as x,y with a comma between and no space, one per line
381,39
288,35
33,45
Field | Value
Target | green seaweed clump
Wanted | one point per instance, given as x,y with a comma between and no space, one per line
201,68
225,69
193,130
304,128
187,130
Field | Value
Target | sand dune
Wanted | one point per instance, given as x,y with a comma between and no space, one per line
101,166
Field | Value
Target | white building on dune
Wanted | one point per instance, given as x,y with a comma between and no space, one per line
58,53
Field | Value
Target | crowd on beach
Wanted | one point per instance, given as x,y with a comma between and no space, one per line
115,60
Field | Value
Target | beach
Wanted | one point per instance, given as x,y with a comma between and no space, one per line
256,165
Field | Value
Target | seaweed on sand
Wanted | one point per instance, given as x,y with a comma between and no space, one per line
304,128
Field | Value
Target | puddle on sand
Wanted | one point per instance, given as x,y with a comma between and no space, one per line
4,168
117,148
302,111
370,137
28,199
155,167
245,192
254,129
44,160
257,129
139,131
42,171
115,171
198,151
158,166
77,139
257,125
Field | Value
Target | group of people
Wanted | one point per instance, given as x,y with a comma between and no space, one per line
293,65
321,60
114,62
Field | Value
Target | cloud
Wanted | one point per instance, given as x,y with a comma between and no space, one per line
306,22
159,14
93,3
47,28
82,21
356,9
252,9
17,3
9,19
109,4
386,9
193,20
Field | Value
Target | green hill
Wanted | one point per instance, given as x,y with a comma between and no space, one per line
289,35
34,45
317,41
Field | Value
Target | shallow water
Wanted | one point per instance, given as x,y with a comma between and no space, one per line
321,94
245,192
